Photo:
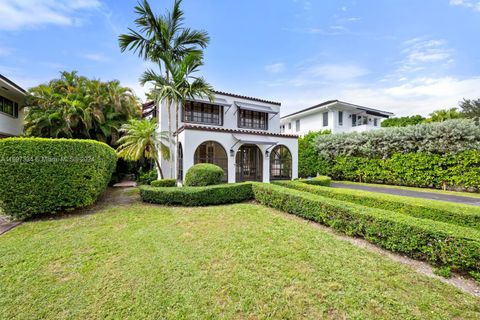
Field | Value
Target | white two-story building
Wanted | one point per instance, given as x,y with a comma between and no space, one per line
12,101
240,134
334,115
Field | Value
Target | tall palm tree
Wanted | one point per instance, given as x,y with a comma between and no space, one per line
141,140
162,38
180,86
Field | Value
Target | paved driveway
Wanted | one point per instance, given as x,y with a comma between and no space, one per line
409,193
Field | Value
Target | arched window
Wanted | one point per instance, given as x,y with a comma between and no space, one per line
280,163
180,162
212,152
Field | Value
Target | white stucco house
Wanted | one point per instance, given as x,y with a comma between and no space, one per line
12,101
334,115
238,133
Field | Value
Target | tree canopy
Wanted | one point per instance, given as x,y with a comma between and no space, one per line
74,106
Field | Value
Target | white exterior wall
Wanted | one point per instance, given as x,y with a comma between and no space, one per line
313,121
9,125
190,139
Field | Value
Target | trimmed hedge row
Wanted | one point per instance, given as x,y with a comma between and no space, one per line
317,181
461,215
198,196
164,183
436,242
40,176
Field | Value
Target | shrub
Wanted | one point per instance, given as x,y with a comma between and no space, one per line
203,174
198,196
318,181
308,162
436,242
49,175
146,177
164,183
461,215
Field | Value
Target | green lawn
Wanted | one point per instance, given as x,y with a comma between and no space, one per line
451,193
237,261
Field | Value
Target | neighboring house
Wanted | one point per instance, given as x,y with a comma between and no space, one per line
12,101
240,134
334,115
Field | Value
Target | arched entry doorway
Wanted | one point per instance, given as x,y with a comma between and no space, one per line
280,163
212,152
249,163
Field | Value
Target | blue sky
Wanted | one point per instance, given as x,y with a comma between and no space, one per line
405,56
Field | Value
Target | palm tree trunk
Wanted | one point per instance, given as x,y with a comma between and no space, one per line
159,168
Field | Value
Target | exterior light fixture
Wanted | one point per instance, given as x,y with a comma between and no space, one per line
267,153
232,153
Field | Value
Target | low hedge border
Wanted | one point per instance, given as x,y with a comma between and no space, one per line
198,196
318,181
439,243
164,183
461,215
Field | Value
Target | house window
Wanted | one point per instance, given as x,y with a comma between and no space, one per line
297,125
180,162
375,122
365,120
9,107
289,126
204,113
325,119
282,128
252,119
340,118
354,120
280,163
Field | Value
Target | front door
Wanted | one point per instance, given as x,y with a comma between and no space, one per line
249,163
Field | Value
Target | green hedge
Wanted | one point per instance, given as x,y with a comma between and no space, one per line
436,242
459,171
318,181
164,183
198,196
203,174
461,215
49,175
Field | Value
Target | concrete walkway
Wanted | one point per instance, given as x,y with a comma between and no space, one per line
410,193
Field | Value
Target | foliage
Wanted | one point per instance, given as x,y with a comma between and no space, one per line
141,140
445,272
146,177
436,242
403,121
308,164
236,261
197,196
164,183
444,115
446,137
76,107
458,214
454,171
203,174
40,176
318,181
470,108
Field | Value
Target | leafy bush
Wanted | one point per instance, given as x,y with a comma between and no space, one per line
198,196
403,121
203,174
308,162
459,171
147,177
436,242
448,137
461,215
164,183
317,181
49,175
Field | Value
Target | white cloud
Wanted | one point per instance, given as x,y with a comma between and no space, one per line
335,72
97,57
4,51
418,53
19,14
466,3
275,68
